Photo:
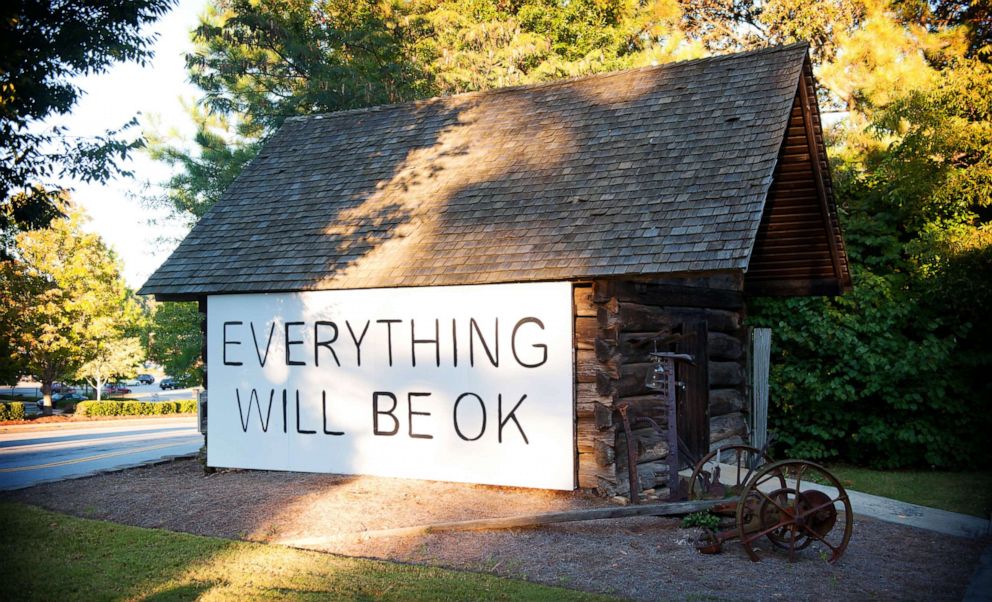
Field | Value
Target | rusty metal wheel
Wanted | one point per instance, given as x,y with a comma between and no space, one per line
795,504
725,471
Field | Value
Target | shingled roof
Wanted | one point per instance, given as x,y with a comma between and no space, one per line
652,171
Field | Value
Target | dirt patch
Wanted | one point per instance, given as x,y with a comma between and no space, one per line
642,558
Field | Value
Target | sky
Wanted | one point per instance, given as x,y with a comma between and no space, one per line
142,236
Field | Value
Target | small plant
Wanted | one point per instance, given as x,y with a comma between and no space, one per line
12,411
705,520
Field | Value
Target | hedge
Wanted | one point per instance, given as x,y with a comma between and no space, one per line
135,408
12,411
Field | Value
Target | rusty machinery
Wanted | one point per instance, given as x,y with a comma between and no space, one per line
792,504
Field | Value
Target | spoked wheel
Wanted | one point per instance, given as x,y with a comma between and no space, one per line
725,471
790,503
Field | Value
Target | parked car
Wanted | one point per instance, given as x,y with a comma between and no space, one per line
169,383
62,399
146,379
116,389
58,387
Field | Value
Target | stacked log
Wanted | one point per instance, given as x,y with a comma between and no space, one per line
595,432
610,318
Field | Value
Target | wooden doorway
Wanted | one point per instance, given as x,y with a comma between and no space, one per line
693,400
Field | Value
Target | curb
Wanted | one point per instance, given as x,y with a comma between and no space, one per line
96,473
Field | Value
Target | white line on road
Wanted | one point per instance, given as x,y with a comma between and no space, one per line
30,447
92,458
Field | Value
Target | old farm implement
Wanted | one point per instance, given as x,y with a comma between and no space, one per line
792,505
789,506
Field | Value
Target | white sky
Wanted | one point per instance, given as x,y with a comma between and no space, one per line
141,236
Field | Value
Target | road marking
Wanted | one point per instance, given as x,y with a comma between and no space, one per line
91,458
183,431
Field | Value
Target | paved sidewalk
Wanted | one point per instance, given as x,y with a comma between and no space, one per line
980,588
894,511
903,513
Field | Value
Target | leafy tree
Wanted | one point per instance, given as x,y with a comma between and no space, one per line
895,373
113,359
890,374
43,45
175,341
975,16
261,62
70,300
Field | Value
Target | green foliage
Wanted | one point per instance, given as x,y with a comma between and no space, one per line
44,48
175,341
259,63
201,177
112,359
47,554
893,374
64,301
13,410
705,520
135,408
896,373
865,377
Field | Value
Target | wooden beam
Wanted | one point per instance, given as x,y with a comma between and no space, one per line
814,152
826,287
523,521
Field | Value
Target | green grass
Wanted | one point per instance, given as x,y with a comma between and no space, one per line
964,492
49,556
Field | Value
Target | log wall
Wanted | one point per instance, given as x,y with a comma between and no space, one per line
610,317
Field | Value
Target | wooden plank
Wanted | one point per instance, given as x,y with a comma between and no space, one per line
586,330
586,393
724,346
727,426
587,366
590,473
523,521
725,401
798,286
634,317
587,434
582,300
667,294
635,347
725,374
694,407
810,125
596,413
760,361
649,445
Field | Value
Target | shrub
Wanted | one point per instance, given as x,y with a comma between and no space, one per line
13,410
135,408
869,378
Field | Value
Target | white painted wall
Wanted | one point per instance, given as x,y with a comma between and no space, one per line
531,446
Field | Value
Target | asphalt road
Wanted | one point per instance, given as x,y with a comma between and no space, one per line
37,454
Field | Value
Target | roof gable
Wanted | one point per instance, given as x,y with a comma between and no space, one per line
799,248
651,171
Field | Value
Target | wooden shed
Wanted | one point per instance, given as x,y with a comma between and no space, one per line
665,196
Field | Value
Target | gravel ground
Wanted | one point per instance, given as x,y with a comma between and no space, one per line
640,558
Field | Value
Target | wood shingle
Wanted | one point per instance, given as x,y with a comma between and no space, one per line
653,171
